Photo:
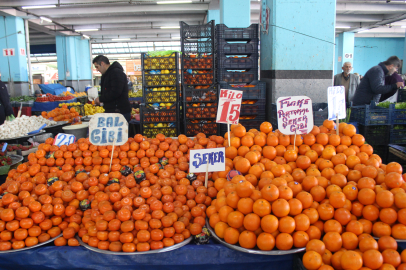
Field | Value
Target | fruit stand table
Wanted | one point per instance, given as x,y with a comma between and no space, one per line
211,256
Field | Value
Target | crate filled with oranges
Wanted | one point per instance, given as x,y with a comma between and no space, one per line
61,114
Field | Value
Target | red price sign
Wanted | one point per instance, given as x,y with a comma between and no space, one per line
229,106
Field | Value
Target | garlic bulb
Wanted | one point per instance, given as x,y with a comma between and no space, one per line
22,125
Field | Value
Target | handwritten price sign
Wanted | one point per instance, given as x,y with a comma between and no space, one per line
64,139
295,115
229,106
336,102
213,158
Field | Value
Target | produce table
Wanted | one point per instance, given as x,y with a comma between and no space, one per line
211,256
49,106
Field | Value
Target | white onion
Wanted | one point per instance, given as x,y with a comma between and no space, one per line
22,125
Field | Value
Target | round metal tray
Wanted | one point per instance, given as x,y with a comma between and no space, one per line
59,123
184,243
15,159
252,251
397,240
22,137
27,248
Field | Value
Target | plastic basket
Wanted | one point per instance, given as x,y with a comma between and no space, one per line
195,46
166,96
233,76
151,115
160,80
197,31
398,116
369,115
159,63
223,32
201,112
239,62
254,107
198,78
256,89
193,127
192,94
375,135
233,47
398,134
205,62
382,151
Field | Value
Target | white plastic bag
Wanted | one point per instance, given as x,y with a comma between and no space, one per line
92,93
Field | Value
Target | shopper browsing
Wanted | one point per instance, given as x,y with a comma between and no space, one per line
114,89
348,80
372,85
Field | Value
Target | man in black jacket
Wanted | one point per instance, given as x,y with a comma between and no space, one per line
114,90
372,85
5,106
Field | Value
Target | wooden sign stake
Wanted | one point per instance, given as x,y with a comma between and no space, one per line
294,142
337,129
228,132
206,179
112,152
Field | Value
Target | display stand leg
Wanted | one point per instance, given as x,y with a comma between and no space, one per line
228,133
112,152
337,124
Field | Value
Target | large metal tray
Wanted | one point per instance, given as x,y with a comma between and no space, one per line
59,124
27,248
184,243
252,251
15,159
22,137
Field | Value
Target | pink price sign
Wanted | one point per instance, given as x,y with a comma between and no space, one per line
229,107
295,115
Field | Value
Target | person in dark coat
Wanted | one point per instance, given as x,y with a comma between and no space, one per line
389,80
372,85
114,89
5,106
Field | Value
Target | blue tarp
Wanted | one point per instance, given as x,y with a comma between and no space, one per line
54,89
190,257
49,106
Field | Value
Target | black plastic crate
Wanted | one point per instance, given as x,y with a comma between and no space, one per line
253,90
193,127
204,62
240,76
401,95
198,46
160,80
234,47
253,107
246,62
152,132
397,154
382,151
152,115
199,78
398,116
368,115
253,123
206,94
197,31
204,111
398,134
159,63
223,32
160,96
375,135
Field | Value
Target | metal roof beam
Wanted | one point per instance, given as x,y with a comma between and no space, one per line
376,8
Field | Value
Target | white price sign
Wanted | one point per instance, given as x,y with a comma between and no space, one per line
108,129
229,107
295,115
336,102
213,158
64,139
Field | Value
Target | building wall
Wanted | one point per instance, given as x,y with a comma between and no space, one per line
369,52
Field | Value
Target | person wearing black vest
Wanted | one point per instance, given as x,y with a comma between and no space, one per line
114,89
5,105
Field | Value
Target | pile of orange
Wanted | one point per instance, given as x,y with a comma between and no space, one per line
319,186
45,195
61,114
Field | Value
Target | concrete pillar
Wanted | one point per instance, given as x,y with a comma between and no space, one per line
73,57
214,11
345,50
13,56
298,59
235,13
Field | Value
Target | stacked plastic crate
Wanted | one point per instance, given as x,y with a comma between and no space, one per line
237,61
199,89
160,112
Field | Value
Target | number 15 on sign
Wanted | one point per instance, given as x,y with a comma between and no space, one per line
229,107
